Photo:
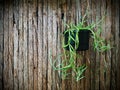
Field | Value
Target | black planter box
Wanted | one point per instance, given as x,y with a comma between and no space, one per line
83,36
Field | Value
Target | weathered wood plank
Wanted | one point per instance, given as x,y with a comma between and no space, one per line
108,22
63,4
113,50
15,28
6,36
54,47
58,43
118,42
35,42
1,45
49,27
30,46
25,43
40,46
102,55
15,57
20,44
10,41
45,44
92,54
97,64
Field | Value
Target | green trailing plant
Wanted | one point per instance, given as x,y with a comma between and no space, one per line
68,58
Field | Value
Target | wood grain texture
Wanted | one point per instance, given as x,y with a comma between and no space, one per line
31,31
49,28
6,45
30,46
108,23
113,51
35,42
15,28
45,45
25,44
20,47
97,65
10,41
40,46
118,42
1,45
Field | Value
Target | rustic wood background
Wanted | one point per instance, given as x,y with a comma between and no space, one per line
31,29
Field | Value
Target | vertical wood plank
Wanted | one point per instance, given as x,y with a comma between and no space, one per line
118,42
107,61
92,54
10,56
30,46
25,43
54,38
63,4
1,45
45,45
50,18
102,64
113,50
20,43
97,65
16,23
40,46
15,28
35,42
58,42
15,57
6,36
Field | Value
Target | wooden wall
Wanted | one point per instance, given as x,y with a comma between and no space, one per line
30,30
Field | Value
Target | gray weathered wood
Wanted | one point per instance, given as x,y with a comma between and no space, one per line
31,32
40,47
49,28
25,43
35,41
45,44
16,59
30,46
10,41
20,46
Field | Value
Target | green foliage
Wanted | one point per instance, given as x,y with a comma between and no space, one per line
68,65
98,42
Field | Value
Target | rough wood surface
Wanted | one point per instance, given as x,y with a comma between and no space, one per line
1,45
45,45
6,45
15,29
25,44
49,27
10,41
30,31
40,46
30,46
